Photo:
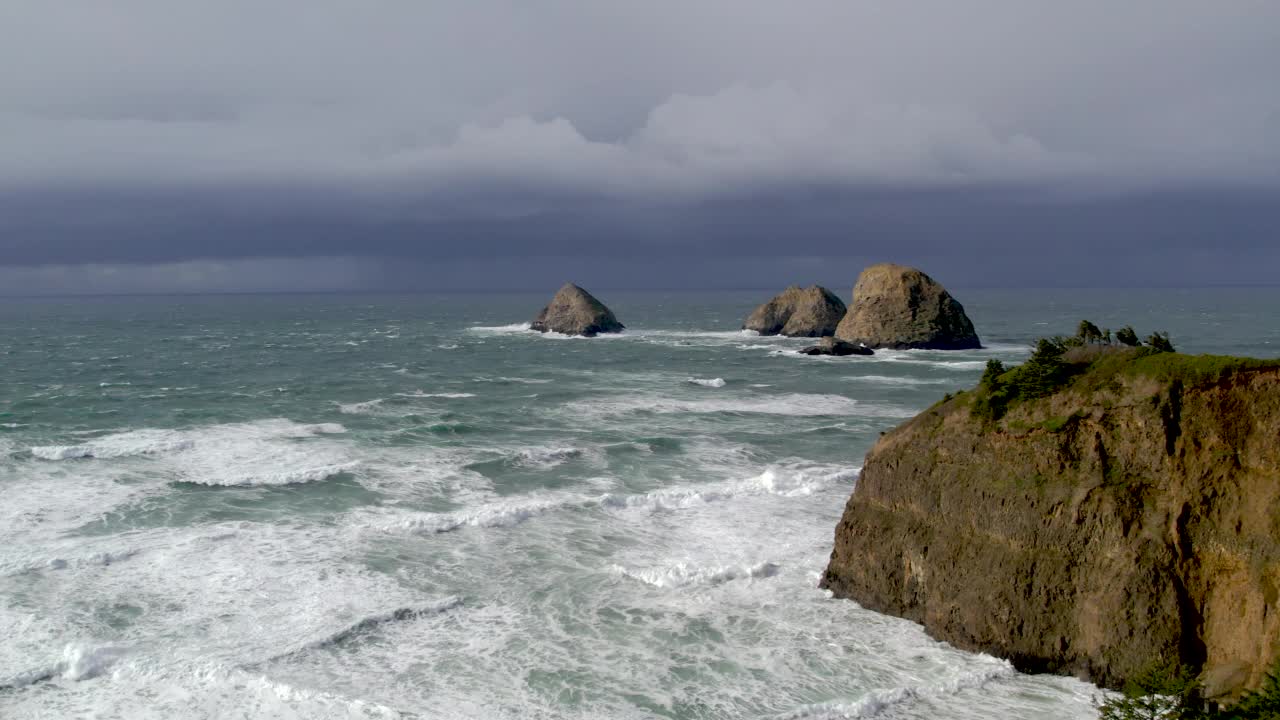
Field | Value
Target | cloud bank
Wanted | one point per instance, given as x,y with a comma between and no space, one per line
147,131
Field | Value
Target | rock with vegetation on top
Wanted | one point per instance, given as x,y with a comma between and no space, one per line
798,312
1097,517
574,311
895,306
832,346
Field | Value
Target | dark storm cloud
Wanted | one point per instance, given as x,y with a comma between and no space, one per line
144,132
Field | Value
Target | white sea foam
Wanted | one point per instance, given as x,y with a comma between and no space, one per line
135,442
98,559
447,395
546,457
707,382
501,329
372,621
684,574
266,452
784,480
695,334
791,404
514,380
80,661
878,700
492,516
368,407
898,380
284,476
319,429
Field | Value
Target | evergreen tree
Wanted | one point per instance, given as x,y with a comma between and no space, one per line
1127,336
1088,332
1160,342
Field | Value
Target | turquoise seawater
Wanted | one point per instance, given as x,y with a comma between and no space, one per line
384,506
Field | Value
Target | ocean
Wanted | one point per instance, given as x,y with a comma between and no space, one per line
386,506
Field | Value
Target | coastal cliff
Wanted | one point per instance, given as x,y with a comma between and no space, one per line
1127,516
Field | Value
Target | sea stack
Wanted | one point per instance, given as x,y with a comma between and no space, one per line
899,307
833,346
798,312
574,311
1125,520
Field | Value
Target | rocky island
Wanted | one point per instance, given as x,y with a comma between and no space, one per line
1100,510
574,311
798,312
900,307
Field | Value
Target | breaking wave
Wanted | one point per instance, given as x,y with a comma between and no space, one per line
879,700
685,574
781,481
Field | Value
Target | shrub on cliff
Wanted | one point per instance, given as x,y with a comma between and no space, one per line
1054,362
1159,342
1164,693
1088,332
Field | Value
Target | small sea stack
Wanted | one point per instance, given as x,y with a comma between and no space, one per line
834,346
900,307
574,311
798,312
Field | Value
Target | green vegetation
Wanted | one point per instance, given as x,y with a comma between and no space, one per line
1091,360
1160,342
1165,693
1094,360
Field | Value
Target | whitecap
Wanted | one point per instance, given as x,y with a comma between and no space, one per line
706,382
878,700
288,476
368,407
501,329
893,380
783,480
495,515
372,621
546,457
792,404
131,443
80,661
264,452
685,574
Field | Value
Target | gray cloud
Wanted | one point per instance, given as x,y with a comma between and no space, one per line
149,131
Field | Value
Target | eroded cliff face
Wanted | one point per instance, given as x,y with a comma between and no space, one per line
1095,532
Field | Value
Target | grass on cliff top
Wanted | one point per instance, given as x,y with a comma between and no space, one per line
1094,359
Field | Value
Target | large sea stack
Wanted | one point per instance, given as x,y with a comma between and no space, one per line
574,311
899,307
798,312
1125,518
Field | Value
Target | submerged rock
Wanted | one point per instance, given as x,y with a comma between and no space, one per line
895,306
574,311
798,312
1125,520
833,346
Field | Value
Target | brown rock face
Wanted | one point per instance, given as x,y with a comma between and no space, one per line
1094,532
895,306
798,312
574,311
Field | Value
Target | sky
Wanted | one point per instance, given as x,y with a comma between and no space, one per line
242,145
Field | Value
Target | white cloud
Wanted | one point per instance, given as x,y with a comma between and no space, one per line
660,99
